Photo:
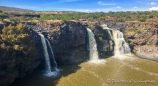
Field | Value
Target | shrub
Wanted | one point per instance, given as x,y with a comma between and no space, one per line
17,53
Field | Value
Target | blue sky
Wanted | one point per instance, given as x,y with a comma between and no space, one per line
83,5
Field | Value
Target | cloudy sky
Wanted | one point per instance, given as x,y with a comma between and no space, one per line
83,5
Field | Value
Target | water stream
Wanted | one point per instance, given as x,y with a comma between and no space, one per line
121,46
93,52
49,72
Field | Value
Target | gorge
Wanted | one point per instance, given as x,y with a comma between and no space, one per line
72,44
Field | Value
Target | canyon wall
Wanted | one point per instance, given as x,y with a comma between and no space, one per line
143,38
68,40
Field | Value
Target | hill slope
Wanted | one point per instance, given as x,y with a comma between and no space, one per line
13,9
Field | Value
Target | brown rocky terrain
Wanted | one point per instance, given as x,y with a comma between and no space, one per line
143,38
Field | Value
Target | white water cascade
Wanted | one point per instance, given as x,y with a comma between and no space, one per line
121,48
49,73
93,54
55,64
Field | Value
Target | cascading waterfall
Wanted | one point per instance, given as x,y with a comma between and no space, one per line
105,27
55,64
121,46
92,46
46,55
93,54
47,59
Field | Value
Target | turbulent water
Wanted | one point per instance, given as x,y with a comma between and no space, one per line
51,50
46,55
93,53
121,47
49,72
92,46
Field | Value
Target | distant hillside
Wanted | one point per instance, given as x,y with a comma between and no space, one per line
13,9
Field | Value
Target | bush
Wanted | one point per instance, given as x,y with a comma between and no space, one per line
3,16
17,53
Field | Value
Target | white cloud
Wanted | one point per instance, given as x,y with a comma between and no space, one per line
87,11
153,8
153,3
135,7
102,3
118,7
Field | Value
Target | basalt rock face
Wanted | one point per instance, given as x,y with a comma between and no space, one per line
38,44
105,44
67,40
69,46
143,38
114,25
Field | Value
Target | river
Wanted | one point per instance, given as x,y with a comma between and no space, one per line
130,71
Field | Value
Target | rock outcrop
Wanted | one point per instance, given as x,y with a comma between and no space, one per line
105,44
38,44
143,38
67,40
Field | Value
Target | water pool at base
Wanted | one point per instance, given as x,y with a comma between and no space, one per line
130,71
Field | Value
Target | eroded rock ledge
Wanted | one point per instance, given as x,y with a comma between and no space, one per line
143,38
68,40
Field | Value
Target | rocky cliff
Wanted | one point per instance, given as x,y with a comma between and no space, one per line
143,38
68,40
105,44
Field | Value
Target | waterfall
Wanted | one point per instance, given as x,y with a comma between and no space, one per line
47,58
93,54
121,47
92,46
104,26
55,64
